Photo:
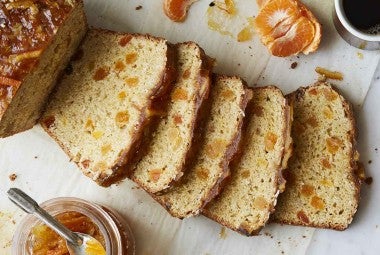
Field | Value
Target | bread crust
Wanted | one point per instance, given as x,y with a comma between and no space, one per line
280,180
203,81
354,178
227,157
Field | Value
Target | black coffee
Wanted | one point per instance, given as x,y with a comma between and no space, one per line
363,14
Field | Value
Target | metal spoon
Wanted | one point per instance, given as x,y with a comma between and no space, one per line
77,243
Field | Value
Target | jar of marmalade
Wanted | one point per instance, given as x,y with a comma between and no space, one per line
32,237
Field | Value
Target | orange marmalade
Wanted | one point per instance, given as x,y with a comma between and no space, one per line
44,241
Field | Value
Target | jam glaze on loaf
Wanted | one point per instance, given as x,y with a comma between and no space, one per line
37,39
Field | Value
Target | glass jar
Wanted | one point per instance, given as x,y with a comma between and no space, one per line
117,234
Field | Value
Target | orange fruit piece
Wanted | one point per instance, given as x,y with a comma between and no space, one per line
176,10
287,27
299,36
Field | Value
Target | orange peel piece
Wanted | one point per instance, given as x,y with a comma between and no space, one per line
176,10
329,74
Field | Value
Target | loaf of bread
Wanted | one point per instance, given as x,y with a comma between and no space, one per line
38,37
322,188
217,146
171,142
250,195
107,99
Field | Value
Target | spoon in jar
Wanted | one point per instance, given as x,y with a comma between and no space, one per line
77,243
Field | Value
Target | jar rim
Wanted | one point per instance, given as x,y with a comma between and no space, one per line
59,205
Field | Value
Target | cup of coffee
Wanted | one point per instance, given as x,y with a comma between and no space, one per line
358,22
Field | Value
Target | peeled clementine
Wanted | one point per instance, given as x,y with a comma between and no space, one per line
287,27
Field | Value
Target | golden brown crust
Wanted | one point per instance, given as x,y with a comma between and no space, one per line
27,29
298,95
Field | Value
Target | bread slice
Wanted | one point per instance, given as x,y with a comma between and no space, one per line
104,103
170,145
220,138
322,187
249,197
34,49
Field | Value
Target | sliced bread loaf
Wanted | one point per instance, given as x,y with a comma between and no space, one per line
220,138
37,39
170,145
322,188
106,101
249,197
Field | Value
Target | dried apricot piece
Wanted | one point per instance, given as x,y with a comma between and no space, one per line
307,190
105,149
303,217
202,173
270,141
122,119
179,94
260,203
227,94
176,10
186,74
326,163
328,113
131,58
122,95
330,95
119,66
155,174
132,81
215,148
333,144
89,126
177,119
97,134
101,73
317,203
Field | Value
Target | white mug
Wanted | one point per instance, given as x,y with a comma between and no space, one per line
351,34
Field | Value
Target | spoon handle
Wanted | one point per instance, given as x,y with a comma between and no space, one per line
27,204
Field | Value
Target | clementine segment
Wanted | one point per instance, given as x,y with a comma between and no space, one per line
176,10
295,40
287,27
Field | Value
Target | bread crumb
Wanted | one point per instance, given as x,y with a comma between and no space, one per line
12,177
294,65
368,180
360,55
369,161
222,233
211,4
36,157
138,7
